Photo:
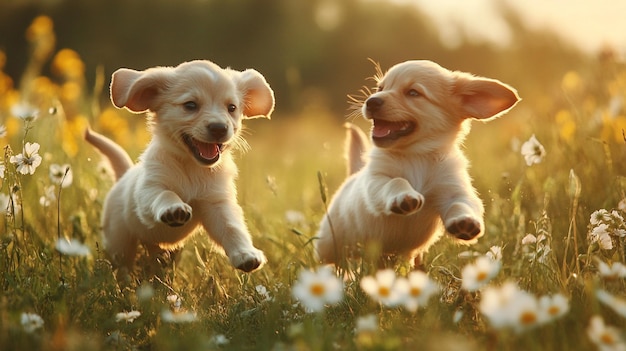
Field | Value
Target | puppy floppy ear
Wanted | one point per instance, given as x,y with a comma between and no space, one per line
258,97
484,98
136,90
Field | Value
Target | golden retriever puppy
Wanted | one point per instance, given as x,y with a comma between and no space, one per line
414,182
185,177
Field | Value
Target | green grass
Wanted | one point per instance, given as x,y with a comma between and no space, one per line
79,297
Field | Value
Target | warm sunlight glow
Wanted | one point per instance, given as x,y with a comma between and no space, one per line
588,25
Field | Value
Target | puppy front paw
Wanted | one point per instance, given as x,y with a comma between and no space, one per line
405,203
248,260
464,228
176,215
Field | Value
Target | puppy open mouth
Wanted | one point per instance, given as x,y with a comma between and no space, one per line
388,130
205,153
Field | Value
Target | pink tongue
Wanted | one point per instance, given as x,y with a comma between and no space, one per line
383,128
207,151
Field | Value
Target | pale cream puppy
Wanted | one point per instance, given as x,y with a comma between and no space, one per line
186,176
414,183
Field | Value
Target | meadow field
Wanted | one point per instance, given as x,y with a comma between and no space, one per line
549,274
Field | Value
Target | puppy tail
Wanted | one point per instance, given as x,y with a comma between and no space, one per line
356,147
119,159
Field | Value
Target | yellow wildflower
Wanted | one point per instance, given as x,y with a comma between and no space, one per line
567,125
572,83
67,63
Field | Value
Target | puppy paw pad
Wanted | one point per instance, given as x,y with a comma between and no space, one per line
250,265
466,228
249,262
407,204
176,216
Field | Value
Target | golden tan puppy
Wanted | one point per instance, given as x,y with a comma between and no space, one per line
415,176
185,177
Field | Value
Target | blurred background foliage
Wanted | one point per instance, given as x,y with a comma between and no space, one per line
312,52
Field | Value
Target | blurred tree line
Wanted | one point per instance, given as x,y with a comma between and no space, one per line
311,52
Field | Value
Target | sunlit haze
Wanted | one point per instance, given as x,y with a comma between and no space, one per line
589,25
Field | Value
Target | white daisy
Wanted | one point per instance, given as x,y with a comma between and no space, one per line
382,288
25,111
28,160
553,307
170,316
262,291
617,304
31,322
495,304
614,271
72,247
533,151
129,317
495,253
61,173
478,274
599,216
615,216
525,312
601,235
605,337
511,307
416,290
48,197
219,340
315,289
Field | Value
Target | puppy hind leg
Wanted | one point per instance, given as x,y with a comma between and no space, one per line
326,246
158,261
121,248
418,262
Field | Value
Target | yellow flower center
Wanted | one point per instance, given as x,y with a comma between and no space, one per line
317,289
607,338
415,291
384,291
481,276
528,318
553,310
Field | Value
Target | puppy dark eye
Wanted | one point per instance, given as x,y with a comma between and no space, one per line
231,107
413,93
190,106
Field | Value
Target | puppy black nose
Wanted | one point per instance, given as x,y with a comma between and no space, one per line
218,130
374,103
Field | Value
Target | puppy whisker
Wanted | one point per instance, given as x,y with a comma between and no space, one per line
355,102
240,144
379,74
